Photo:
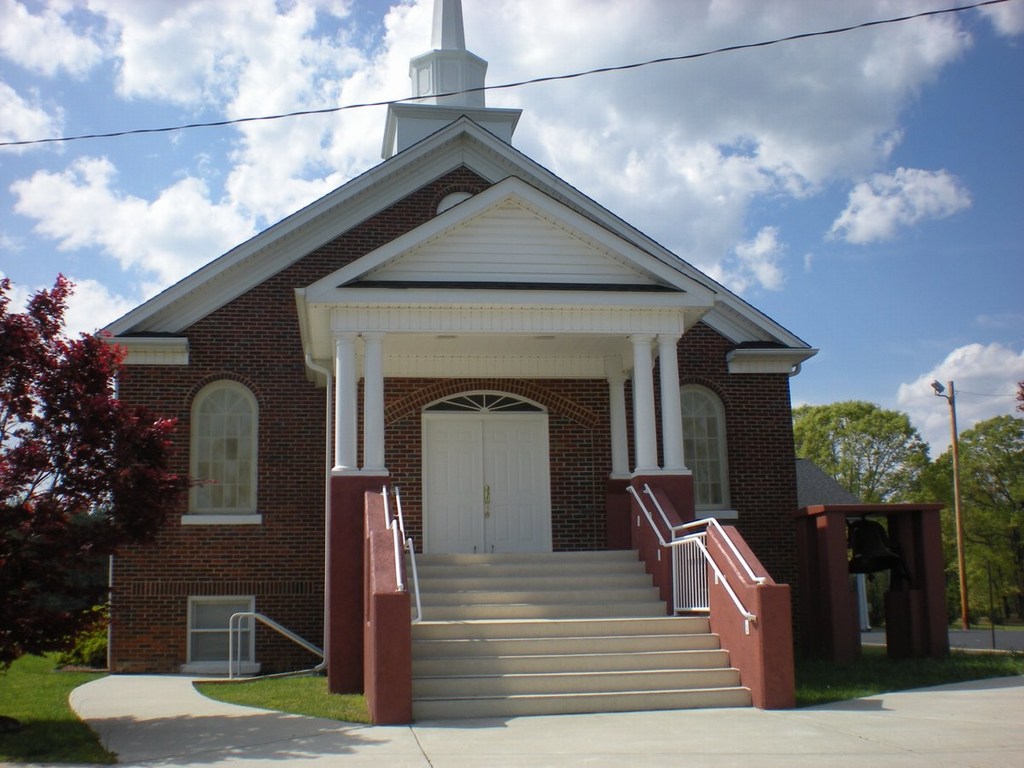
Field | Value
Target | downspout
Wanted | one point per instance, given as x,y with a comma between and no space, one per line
328,464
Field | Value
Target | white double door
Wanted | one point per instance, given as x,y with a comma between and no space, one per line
486,483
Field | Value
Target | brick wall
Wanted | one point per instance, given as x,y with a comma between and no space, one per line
255,340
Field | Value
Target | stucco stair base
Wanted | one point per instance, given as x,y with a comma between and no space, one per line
512,635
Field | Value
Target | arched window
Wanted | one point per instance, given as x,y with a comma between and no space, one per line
225,420
704,447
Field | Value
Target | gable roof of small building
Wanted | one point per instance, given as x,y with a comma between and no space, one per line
814,487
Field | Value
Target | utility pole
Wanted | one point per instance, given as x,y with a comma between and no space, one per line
958,511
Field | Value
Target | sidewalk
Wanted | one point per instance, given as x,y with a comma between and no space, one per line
164,721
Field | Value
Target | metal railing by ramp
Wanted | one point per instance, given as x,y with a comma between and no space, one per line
235,629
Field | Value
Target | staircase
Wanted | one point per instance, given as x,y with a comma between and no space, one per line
558,633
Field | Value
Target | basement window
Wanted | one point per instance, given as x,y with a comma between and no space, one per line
208,635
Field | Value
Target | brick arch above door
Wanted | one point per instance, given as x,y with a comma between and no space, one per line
555,404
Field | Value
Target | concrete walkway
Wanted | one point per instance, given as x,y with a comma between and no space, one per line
164,721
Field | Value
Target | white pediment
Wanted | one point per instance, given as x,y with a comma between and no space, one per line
512,234
510,243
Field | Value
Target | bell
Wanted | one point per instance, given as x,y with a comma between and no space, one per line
870,544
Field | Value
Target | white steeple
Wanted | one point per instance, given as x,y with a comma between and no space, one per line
446,69
449,67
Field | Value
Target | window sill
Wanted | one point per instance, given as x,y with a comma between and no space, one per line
219,668
198,519
718,514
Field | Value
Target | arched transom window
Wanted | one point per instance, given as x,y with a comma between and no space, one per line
704,446
225,418
483,402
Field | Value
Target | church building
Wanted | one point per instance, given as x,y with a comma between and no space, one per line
532,373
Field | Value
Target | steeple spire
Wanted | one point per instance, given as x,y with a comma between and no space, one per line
449,67
446,69
448,33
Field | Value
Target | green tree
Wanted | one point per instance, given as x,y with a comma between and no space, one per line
874,453
80,473
992,490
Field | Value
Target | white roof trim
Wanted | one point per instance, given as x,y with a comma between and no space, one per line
153,350
460,143
776,360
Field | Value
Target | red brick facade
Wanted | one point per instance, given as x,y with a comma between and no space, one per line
255,340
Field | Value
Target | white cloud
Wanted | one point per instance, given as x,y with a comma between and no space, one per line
985,379
92,306
680,150
165,239
877,208
46,42
1008,18
754,262
25,120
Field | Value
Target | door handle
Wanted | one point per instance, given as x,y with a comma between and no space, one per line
487,501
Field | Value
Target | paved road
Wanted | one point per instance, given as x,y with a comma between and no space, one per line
970,639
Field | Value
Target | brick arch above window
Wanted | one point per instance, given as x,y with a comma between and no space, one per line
555,404
212,378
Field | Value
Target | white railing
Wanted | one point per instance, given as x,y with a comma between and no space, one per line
235,626
402,544
689,555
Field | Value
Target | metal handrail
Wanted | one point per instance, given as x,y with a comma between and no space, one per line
697,539
707,522
720,578
401,541
236,620
411,549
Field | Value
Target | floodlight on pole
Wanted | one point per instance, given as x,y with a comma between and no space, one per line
958,511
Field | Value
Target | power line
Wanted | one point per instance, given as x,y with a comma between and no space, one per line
505,86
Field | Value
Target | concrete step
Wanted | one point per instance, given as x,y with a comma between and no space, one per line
625,681
553,633
543,628
582,661
538,610
480,595
546,646
518,581
580,703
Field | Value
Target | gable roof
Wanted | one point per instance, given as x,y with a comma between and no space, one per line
462,143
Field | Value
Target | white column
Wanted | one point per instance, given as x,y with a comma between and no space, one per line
345,402
643,405
671,412
373,403
617,416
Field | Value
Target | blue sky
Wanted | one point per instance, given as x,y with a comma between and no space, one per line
862,189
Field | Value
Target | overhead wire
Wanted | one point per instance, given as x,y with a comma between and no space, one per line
516,84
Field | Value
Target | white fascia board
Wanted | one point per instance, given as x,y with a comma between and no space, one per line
768,360
153,350
739,322
287,241
499,298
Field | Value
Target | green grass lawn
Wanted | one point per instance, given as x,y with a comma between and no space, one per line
820,682
33,691
297,695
